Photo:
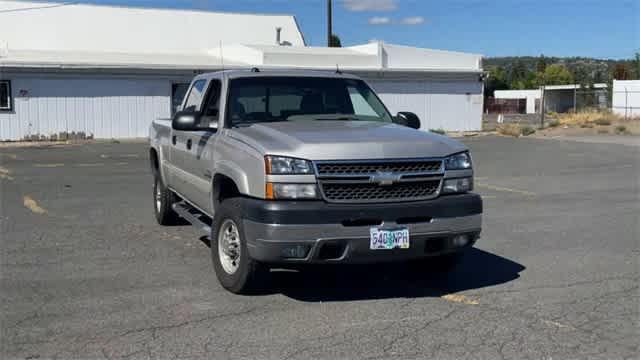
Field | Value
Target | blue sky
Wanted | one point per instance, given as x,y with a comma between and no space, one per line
594,28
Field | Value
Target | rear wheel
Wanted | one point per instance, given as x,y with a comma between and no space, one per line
235,270
163,200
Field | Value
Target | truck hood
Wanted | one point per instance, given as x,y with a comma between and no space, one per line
343,140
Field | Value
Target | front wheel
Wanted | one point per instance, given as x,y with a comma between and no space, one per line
235,270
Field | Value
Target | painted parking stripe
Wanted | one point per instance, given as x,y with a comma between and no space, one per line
506,189
460,299
5,173
49,165
32,205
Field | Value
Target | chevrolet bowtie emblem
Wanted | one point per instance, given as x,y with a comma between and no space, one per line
384,178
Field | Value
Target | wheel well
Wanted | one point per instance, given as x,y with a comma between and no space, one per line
153,158
223,188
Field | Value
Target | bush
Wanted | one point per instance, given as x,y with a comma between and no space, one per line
622,130
554,123
602,122
509,129
603,131
587,125
438,131
515,130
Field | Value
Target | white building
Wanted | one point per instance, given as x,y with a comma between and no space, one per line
626,98
107,72
557,98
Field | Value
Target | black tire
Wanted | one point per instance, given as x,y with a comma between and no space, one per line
250,276
163,199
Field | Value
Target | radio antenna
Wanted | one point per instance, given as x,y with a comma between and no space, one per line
221,56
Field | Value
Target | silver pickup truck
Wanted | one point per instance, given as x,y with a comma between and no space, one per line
306,167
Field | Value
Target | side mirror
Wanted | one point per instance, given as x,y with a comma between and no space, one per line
186,121
408,119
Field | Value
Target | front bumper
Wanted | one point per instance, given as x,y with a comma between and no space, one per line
318,232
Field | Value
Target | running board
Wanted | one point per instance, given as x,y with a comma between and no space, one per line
192,215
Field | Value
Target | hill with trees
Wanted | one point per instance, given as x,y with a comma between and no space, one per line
529,72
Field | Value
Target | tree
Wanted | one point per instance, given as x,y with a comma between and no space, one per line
636,65
621,72
541,64
518,75
335,41
555,74
497,81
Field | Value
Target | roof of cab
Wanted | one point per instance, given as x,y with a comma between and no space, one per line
255,72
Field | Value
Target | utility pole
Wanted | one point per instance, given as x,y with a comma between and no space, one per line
542,91
329,23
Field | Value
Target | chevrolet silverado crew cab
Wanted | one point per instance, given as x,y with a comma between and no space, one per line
305,167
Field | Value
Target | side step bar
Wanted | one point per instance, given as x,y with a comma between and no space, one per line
192,215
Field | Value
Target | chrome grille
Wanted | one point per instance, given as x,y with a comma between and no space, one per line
379,180
365,168
374,192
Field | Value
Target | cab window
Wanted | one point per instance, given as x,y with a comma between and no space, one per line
196,94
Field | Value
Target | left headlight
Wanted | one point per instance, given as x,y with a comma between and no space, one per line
459,161
280,165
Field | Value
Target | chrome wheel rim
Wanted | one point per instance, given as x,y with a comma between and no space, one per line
229,246
158,196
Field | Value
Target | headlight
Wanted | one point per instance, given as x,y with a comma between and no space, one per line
459,161
460,185
291,191
279,165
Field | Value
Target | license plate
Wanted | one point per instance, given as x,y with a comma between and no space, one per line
389,239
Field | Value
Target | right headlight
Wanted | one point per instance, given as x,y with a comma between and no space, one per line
282,165
459,161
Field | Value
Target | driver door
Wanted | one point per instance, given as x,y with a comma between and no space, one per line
181,142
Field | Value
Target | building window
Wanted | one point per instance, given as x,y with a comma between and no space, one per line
6,102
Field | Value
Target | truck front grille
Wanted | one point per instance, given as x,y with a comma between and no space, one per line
365,168
379,180
355,192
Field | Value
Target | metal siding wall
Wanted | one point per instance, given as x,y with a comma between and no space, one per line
448,105
102,107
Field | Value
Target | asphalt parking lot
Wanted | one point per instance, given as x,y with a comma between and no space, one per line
87,273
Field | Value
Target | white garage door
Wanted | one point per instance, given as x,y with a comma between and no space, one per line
448,105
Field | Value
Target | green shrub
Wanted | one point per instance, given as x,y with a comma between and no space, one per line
622,130
527,130
587,125
603,131
438,131
554,123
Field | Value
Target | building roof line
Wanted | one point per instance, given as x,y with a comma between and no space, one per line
49,5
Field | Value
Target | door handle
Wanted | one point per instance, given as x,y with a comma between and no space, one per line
189,144
173,139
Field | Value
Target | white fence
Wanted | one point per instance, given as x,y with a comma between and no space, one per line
626,98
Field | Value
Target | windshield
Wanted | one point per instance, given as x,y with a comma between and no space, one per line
269,99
